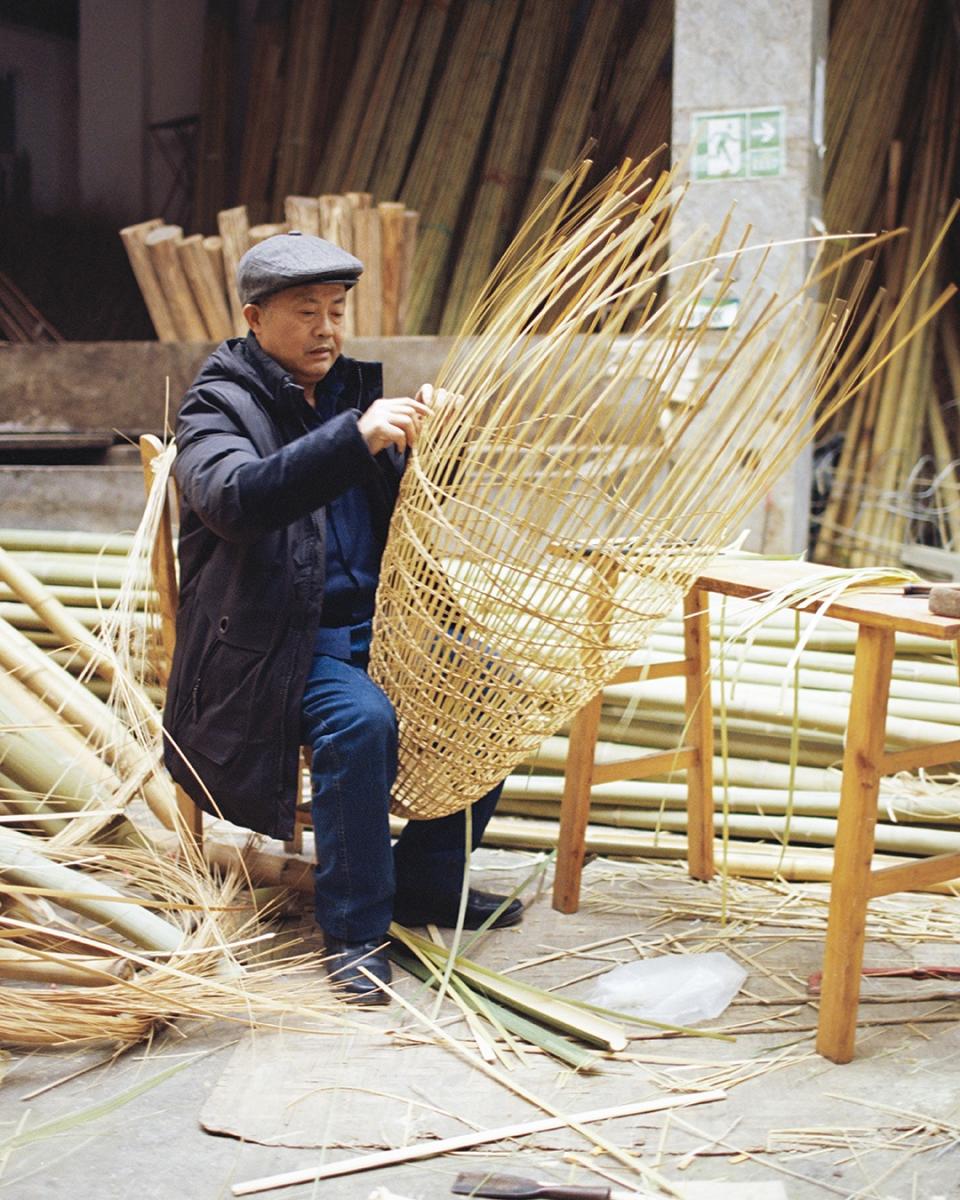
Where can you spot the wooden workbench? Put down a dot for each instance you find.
(879, 615)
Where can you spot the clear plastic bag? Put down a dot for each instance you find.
(678, 989)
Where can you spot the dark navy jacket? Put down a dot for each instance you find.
(253, 483)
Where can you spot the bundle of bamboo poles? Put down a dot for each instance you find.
(189, 283)
(779, 740)
(892, 159)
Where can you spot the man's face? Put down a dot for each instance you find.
(301, 328)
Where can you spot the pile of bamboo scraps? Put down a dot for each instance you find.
(110, 926)
(189, 283)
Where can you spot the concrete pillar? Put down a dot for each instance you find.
(748, 94)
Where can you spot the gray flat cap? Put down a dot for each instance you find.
(290, 260)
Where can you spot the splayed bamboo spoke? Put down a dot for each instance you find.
(549, 521)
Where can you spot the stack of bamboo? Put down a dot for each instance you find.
(779, 740)
(189, 283)
(892, 159)
(467, 109)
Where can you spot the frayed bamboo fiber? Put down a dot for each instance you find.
(503, 173)
(304, 88)
(330, 175)
(398, 140)
(234, 228)
(143, 269)
(462, 107)
(493, 674)
(264, 111)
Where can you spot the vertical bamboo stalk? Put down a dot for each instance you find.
(146, 277)
(260, 233)
(234, 230)
(263, 116)
(213, 249)
(309, 37)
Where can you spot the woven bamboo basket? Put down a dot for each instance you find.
(559, 505)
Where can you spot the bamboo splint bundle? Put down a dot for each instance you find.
(189, 283)
(556, 469)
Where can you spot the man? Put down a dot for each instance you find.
(289, 461)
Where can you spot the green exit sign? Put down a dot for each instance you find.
(743, 143)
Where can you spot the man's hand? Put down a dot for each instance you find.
(392, 422)
(443, 405)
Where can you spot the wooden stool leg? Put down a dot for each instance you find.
(191, 814)
(856, 822)
(699, 725)
(575, 806)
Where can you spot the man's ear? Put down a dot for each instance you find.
(253, 315)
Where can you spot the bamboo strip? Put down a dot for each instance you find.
(466, 1141)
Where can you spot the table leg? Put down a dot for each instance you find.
(856, 822)
(575, 806)
(699, 733)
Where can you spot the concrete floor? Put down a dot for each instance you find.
(220, 1105)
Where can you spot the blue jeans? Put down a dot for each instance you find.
(351, 728)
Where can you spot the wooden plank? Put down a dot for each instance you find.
(750, 579)
(699, 725)
(133, 240)
(920, 756)
(642, 766)
(856, 822)
(575, 806)
(912, 876)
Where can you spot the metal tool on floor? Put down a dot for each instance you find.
(515, 1187)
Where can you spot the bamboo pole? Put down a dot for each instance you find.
(310, 34)
(162, 245)
(335, 215)
(392, 227)
(260, 233)
(369, 289)
(302, 213)
(207, 286)
(133, 237)
(234, 229)
(264, 111)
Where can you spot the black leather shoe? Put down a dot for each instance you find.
(343, 960)
(443, 910)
